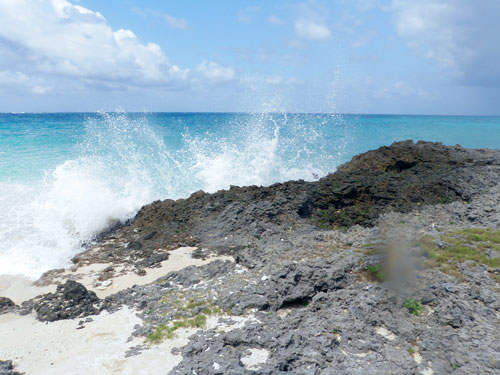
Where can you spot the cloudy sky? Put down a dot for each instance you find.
(351, 56)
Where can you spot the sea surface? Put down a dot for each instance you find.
(64, 177)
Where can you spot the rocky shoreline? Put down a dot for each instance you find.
(390, 265)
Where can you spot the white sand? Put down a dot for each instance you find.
(20, 289)
(59, 348)
(178, 259)
(99, 348)
(255, 359)
(382, 331)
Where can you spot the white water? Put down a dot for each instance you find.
(124, 164)
(257, 154)
(45, 224)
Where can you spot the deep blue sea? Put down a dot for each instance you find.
(65, 177)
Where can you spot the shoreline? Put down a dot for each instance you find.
(356, 272)
(97, 346)
(20, 289)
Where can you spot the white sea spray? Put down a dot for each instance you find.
(124, 162)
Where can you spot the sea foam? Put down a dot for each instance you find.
(124, 162)
(46, 223)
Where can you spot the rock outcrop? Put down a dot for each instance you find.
(71, 300)
(6, 305)
(7, 368)
(400, 178)
(387, 266)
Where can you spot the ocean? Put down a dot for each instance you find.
(65, 177)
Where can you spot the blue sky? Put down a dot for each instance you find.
(351, 56)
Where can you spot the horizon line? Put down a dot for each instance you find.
(242, 112)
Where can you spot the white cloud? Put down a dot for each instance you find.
(17, 81)
(176, 23)
(310, 29)
(40, 90)
(54, 38)
(173, 22)
(215, 72)
(401, 89)
(8, 78)
(273, 20)
(460, 36)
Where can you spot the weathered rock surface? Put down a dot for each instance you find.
(301, 278)
(6, 368)
(71, 300)
(399, 178)
(6, 305)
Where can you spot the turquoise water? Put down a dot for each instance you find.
(65, 177)
(32, 144)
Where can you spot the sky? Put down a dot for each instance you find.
(349, 56)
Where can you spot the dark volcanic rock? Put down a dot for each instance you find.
(292, 285)
(6, 305)
(71, 300)
(6, 368)
(362, 328)
(399, 178)
(402, 177)
(300, 292)
(300, 297)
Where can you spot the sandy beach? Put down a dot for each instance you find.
(20, 289)
(97, 346)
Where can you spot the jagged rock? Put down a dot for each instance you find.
(400, 178)
(293, 285)
(6, 305)
(7, 368)
(298, 287)
(71, 300)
